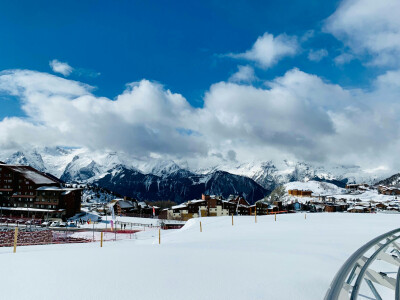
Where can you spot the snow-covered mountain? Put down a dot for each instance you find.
(158, 179)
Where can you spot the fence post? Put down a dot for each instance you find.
(159, 236)
(201, 230)
(15, 239)
(101, 239)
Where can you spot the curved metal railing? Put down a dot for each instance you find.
(369, 265)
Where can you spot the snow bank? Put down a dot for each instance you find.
(291, 258)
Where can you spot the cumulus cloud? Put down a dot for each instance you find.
(369, 28)
(143, 119)
(60, 67)
(297, 115)
(244, 74)
(317, 55)
(343, 58)
(268, 50)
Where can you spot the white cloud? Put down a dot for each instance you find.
(145, 117)
(244, 74)
(60, 67)
(369, 28)
(317, 55)
(268, 50)
(343, 58)
(297, 115)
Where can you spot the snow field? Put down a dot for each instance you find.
(291, 258)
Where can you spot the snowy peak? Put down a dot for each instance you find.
(164, 168)
(80, 169)
(33, 159)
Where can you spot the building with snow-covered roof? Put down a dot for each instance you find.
(27, 192)
(208, 206)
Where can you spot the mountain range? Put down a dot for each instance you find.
(158, 179)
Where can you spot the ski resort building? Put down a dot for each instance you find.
(208, 206)
(300, 193)
(358, 186)
(132, 208)
(28, 193)
(388, 190)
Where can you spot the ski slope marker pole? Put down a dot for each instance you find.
(101, 239)
(275, 217)
(255, 214)
(232, 219)
(15, 239)
(305, 216)
(159, 236)
(201, 230)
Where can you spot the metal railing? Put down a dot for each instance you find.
(370, 265)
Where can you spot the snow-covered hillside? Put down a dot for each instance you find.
(317, 187)
(291, 258)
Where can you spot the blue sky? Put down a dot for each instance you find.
(177, 43)
(206, 80)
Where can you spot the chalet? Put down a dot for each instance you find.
(381, 205)
(385, 190)
(331, 207)
(242, 206)
(208, 206)
(27, 192)
(359, 209)
(300, 193)
(357, 186)
(122, 207)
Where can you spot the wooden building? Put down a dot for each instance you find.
(26, 192)
(207, 206)
(388, 190)
(300, 193)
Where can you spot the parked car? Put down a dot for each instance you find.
(46, 223)
(71, 224)
(62, 224)
(55, 224)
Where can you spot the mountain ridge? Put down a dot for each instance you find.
(159, 179)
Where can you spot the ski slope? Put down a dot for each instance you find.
(292, 258)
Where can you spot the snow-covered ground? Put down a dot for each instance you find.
(328, 189)
(292, 258)
(318, 188)
(369, 195)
